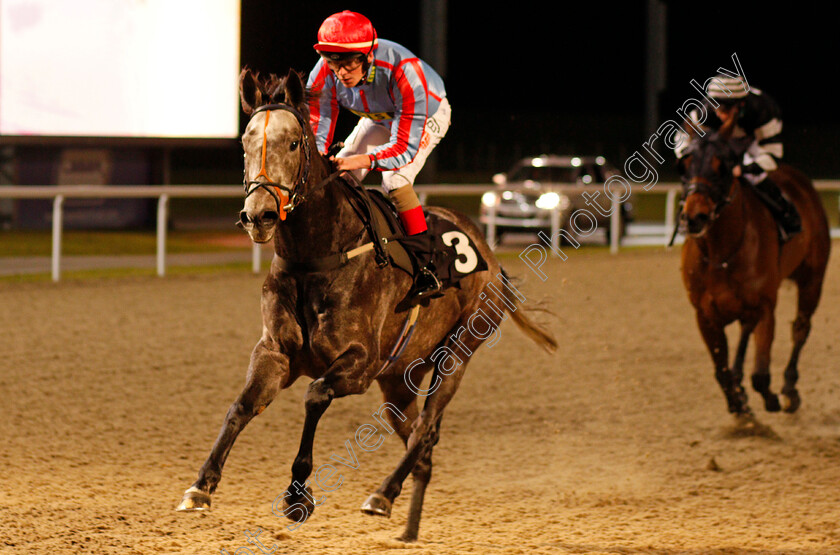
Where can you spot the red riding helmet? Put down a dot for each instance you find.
(346, 33)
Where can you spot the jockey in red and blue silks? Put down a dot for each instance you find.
(402, 108)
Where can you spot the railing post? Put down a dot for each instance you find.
(555, 230)
(162, 218)
(615, 225)
(491, 226)
(57, 225)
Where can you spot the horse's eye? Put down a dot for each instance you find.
(293, 146)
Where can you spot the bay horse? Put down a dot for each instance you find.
(733, 264)
(330, 308)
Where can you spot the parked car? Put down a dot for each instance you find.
(525, 199)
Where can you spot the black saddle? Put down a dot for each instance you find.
(445, 245)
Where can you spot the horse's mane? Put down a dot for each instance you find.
(267, 90)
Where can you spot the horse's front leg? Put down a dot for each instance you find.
(345, 377)
(715, 339)
(268, 372)
(298, 500)
(761, 374)
(747, 328)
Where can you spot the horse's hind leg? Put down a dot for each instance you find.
(397, 393)
(764, 331)
(809, 291)
(266, 376)
(422, 474)
(424, 435)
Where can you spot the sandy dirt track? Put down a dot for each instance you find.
(114, 390)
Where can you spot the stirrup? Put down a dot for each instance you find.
(429, 289)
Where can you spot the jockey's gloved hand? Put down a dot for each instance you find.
(334, 149)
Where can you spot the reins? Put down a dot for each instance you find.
(359, 200)
(725, 264)
(704, 188)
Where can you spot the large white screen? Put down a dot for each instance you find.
(119, 68)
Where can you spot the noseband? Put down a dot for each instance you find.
(704, 187)
(277, 190)
(708, 187)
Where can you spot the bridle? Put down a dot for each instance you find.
(705, 187)
(708, 187)
(286, 198)
(294, 197)
(363, 208)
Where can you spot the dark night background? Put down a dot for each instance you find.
(528, 77)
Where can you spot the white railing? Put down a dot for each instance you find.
(165, 192)
(162, 193)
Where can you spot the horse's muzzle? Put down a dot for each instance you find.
(260, 226)
(697, 224)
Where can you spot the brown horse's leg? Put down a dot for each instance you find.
(763, 343)
(740, 354)
(715, 340)
(808, 296)
(267, 374)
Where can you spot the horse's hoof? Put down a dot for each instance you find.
(377, 505)
(407, 538)
(290, 501)
(194, 500)
(790, 402)
(771, 403)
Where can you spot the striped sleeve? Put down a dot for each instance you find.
(411, 97)
(323, 105)
(763, 120)
(769, 137)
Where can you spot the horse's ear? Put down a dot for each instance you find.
(295, 91)
(250, 95)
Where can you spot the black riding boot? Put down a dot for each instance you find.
(427, 285)
(783, 210)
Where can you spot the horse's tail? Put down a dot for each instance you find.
(537, 334)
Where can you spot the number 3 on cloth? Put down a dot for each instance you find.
(462, 248)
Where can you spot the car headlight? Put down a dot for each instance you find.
(488, 199)
(550, 201)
